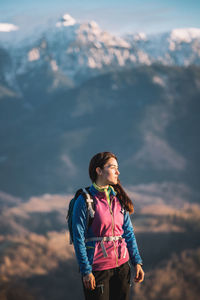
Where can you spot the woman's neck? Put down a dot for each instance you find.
(101, 185)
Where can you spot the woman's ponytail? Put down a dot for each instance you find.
(123, 197)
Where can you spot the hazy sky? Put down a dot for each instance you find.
(116, 16)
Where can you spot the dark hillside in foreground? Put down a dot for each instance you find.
(38, 263)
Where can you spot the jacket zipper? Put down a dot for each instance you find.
(111, 212)
(113, 235)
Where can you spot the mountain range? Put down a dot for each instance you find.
(57, 109)
(76, 51)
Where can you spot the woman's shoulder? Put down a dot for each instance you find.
(80, 202)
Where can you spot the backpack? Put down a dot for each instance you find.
(90, 209)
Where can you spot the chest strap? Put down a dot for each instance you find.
(104, 239)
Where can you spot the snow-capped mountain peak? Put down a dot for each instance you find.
(65, 21)
(185, 35)
(140, 36)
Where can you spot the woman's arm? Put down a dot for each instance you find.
(131, 241)
(79, 227)
(133, 248)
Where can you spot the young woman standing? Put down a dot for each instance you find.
(103, 249)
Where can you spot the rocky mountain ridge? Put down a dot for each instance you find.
(75, 52)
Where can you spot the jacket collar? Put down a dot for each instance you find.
(95, 189)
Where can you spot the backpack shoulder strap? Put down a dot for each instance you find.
(89, 202)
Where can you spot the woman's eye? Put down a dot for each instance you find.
(114, 168)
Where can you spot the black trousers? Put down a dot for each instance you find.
(112, 284)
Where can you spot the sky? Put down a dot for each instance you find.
(116, 16)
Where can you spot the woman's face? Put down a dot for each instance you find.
(109, 174)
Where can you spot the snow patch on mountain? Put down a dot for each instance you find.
(34, 54)
(159, 80)
(91, 33)
(143, 58)
(54, 65)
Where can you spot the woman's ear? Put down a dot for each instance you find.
(99, 171)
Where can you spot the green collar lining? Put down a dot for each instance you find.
(109, 189)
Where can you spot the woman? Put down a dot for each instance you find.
(104, 249)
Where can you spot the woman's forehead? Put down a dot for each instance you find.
(112, 161)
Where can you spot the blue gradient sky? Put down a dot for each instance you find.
(116, 16)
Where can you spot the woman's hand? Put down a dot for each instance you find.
(89, 281)
(139, 273)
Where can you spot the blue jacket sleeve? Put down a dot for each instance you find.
(131, 240)
(79, 226)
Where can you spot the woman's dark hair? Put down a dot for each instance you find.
(99, 160)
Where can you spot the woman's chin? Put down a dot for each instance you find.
(114, 182)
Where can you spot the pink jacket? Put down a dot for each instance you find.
(110, 223)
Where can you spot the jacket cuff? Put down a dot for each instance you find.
(138, 263)
(86, 273)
